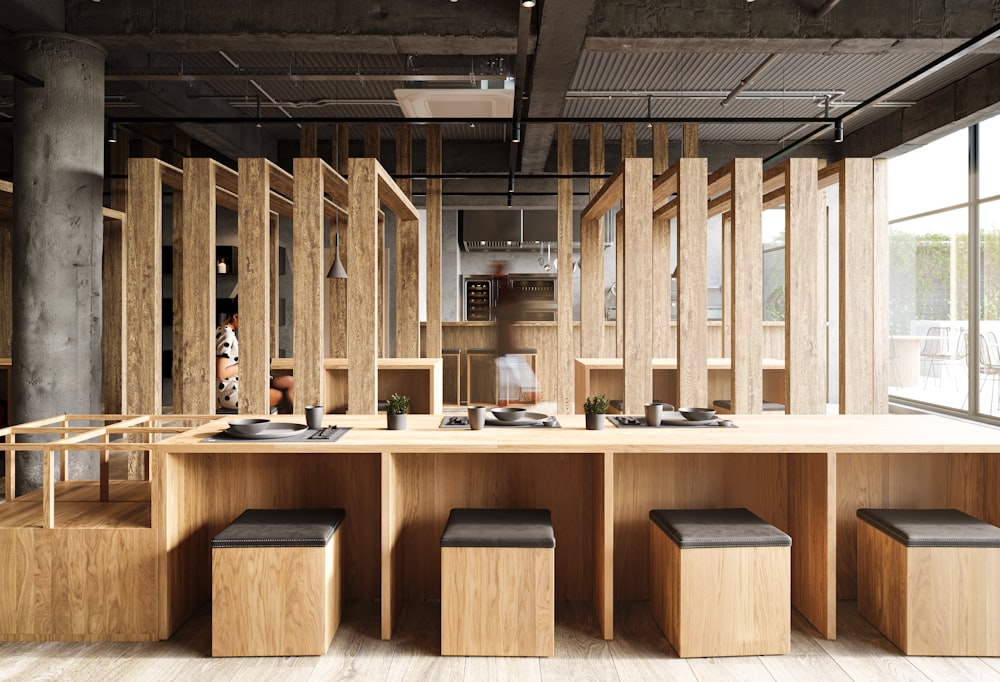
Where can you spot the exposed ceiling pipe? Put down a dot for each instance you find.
(770, 59)
(821, 11)
(255, 84)
(520, 75)
(269, 74)
(583, 120)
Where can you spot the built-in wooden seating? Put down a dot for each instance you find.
(720, 582)
(276, 583)
(498, 583)
(929, 580)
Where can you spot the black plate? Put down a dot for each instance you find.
(273, 431)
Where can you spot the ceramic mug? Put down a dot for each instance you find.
(477, 417)
(314, 416)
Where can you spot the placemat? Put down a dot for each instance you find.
(328, 434)
(462, 422)
(625, 421)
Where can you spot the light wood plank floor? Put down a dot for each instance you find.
(639, 652)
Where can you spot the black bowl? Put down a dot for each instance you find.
(508, 414)
(248, 427)
(697, 414)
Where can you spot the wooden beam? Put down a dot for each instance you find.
(663, 341)
(373, 142)
(432, 334)
(307, 285)
(565, 355)
(775, 198)
(194, 309)
(404, 159)
(393, 197)
(805, 291)
(727, 284)
(880, 286)
(281, 181)
(592, 257)
(831, 174)
(636, 282)
(857, 285)
(114, 282)
(690, 140)
(341, 147)
(747, 340)
(721, 180)
(112, 214)
(661, 148)
(335, 185)
(363, 289)
(692, 304)
(607, 197)
(307, 146)
(407, 257)
(144, 294)
(668, 211)
(664, 186)
(274, 270)
(281, 205)
(172, 176)
(774, 178)
(620, 288)
(254, 246)
(629, 148)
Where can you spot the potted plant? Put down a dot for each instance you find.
(396, 408)
(595, 408)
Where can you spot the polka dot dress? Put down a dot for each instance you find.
(227, 391)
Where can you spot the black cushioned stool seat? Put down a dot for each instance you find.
(718, 528)
(276, 583)
(497, 583)
(720, 582)
(925, 580)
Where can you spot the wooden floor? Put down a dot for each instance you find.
(639, 652)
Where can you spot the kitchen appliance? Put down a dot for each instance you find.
(537, 293)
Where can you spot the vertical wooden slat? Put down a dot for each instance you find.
(690, 146)
(7, 294)
(308, 142)
(363, 290)
(373, 150)
(181, 151)
(692, 292)
(274, 290)
(637, 282)
(805, 300)
(663, 342)
(194, 312)
(856, 287)
(727, 284)
(432, 238)
(620, 281)
(592, 260)
(880, 287)
(254, 246)
(564, 288)
(113, 284)
(307, 285)
(747, 322)
(629, 146)
(407, 257)
(144, 294)
(336, 310)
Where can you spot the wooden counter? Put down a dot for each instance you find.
(597, 376)
(805, 474)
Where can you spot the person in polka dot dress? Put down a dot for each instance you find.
(227, 359)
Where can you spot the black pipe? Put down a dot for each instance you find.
(242, 120)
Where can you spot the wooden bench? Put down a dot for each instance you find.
(929, 580)
(498, 583)
(276, 583)
(720, 582)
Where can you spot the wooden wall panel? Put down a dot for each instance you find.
(880, 287)
(307, 291)
(637, 281)
(112, 284)
(407, 258)
(363, 289)
(144, 295)
(663, 341)
(566, 350)
(194, 312)
(857, 285)
(254, 246)
(592, 260)
(805, 293)
(747, 332)
(432, 238)
(692, 295)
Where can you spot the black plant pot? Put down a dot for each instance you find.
(595, 422)
(396, 422)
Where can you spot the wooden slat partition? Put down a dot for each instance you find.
(254, 243)
(113, 282)
(663, 341)
(336, 310)
(181, 151)
(592, 258)
(432, 239)
(690, 140)
(664, 187)
(274, 270)
(307, 292)
(565, 353)
(194, 312)
(635, 282)
(727, 285)
(746, 376)
(629, 150)
(692, 303)
(857, 285)
(363, 289)
(373, 150)
(307, 141)
(805, 291)
(880, 286)
(144, 295)
(407, 257)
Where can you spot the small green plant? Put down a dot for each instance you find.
(397, 404)
(597, 404)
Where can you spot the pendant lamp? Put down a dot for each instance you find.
(337, 268)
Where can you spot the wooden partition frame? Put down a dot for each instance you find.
(592, 257)
(564, 288)
(370, 185)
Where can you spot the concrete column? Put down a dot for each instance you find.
(58, 184)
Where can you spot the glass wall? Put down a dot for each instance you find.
(943, 197)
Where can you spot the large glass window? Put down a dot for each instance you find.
(989, 158)
(989, 319)
(931, 177)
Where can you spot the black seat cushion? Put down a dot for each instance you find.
(932, 527)
(280, 528)
(702, 528)
(499, 528)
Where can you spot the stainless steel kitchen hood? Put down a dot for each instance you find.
(505, 229)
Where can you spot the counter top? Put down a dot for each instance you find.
(671, 363)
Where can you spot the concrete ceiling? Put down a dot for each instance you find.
(217, 69)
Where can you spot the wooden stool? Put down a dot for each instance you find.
(276, 583)
(720, 582)
(497, 583)
(929, 580)
(447, 371)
